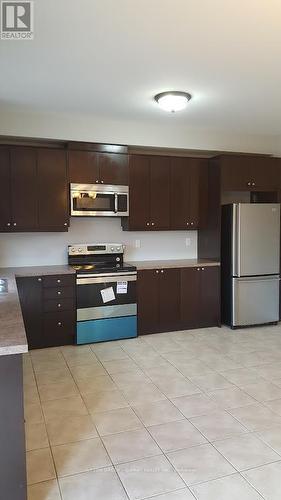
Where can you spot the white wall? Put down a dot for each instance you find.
(31, 249)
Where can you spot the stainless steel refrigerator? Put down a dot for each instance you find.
(250, 263)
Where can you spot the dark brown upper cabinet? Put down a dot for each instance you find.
(185, 176)
(35, 189)
(248, 173)
(88, 167)
(149, 183)
(52, 189)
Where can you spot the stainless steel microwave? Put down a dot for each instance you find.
(91, 200)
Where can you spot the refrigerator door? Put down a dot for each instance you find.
(255, 300)
(255, 239)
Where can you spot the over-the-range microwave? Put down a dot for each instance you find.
(92, 200)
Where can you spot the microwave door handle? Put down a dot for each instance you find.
(115, 203)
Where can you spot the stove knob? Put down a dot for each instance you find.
(79, 249)
(118, 249)
(112, 249)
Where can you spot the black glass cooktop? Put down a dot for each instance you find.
(103, 267)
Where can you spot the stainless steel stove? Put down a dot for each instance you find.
(106, 292)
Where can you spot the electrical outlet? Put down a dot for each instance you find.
(137, 243)
(187, 242)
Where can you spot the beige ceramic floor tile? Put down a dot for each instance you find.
(104, 401)
(263, 391)
(218, 425)
(146, 393)
(200, 463)
(65, 407)
(31, 395)
(84, 372)
(119, 366)
(211, 382)
(256, 417)
(177, 387)
(196, 405)
(158, 412)
(244, 452)
(111, 422)
(96, 384)
(39, 465)
(175, 495)
(241, 376)
(57, 391)
(48, 490)
(93, 485)
(36, 436)
(228, 488)
(33, 413)
(231, 398)
(148, 477)
(266, 480)
(176, 435)
(53, 376)
(272, 437)
(62, 430)
(130, 445)
(73, 458)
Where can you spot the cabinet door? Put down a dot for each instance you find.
(83, 167)
(148, 301)
(209, 296)
(24, 188)
(59, 328)
(160, 192)
(30, 294)
(139, 192)
(265, 174)
(194, 166)
(190, 297)
(52, 189)
(169, 300)
(113, 169)
(180, 194)
(5, 183)
(236, 173)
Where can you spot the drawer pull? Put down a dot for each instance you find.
(59, 323)
(58, 281)
(59, 305)
(59, 292)
(39, 279)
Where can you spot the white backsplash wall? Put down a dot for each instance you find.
(33, 249)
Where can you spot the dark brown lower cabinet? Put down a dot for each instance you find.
(49, 310)
(12, 438)
(176, 299)
(200, 297)
(158, 300)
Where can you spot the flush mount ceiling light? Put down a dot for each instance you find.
(172, 101)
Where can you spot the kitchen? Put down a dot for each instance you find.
(139, 301)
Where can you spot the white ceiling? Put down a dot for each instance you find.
(109, 57)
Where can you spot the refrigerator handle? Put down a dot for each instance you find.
(236, 251)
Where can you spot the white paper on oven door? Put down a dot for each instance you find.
(107, 294)
(122, 287)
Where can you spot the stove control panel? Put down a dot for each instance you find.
(95, 248)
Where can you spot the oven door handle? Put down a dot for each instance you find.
(108, 279)
(115, 203)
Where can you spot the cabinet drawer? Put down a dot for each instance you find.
(59, 305)
(66, 292)
(59, 328)
(59, 280)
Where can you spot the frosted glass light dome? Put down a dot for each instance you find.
(172, 101)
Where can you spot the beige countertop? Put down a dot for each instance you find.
(176, 263)
(12, 332)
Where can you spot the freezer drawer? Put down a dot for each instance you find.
(255, 300)
(256, 239)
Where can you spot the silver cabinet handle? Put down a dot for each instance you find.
(97, 181)
(9, 224)
(58, 281)
(152, 223)
(249, 183)
(162, 271)
(59, 323)
(198, 268)
(59, 292)
(147, 223)
(65, 224)
(253, 183)
(59, 305)
(187, 223)
(15, 224)
(192, 223)
(39, 279)
(157, 271)
(203, 268)
(101, 182)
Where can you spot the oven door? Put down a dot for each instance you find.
(92, 200)
(107, 296)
